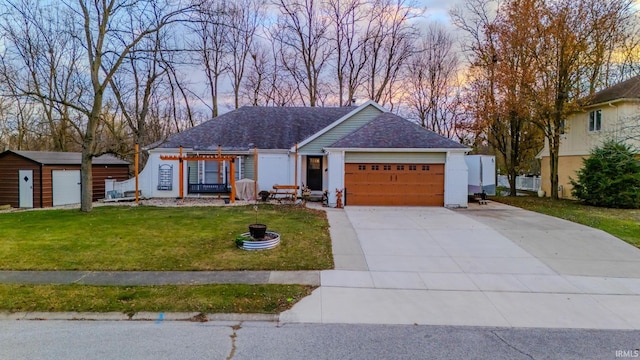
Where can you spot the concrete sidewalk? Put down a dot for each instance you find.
(484, 266)
(134, 278)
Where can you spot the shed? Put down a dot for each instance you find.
(41, 179)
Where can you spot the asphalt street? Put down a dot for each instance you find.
(270, 340)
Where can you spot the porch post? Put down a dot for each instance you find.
(233, 180)
(136, 161)
(181, 174)
(255, 173)
(295, 175)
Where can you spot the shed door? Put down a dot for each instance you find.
(65, 186)
(394, 184)
(25, 177)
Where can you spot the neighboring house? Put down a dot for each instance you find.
(613, 113)
(377, 158)
(43, 179)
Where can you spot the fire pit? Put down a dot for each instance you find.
(246, 242)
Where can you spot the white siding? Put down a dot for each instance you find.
(455, 181)
(148, 177)
(335, 177)
(274, 169)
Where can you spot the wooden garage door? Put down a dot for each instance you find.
(394, 184)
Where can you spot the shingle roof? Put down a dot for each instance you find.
(66, 158)
(392, 131)
(629, 89)
(264, 127)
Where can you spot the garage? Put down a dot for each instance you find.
(65, 185)
(394, 184)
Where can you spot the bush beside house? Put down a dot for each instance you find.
(610, 177)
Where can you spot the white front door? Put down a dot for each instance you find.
(65, 187)
(25, 177)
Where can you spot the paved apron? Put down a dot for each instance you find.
(491, 265)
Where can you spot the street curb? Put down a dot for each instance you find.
(141, 316)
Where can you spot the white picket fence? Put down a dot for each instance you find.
(530, 183)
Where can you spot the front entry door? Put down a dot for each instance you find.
(314, 172)
(25, 177)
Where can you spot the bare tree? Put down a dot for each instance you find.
(43, 46)
(245, 17)
(390, 39)
(304, 48)
(611, 29)
(210, 28)
(432, 82)
(346, 19)
(257, 74)
(628, 64)
(136, 85)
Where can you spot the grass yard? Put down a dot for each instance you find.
(117, 238)
(206, 299)
(621, 223)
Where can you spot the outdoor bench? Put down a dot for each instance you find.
(288, 191)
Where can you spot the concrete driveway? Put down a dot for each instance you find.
(492, 265)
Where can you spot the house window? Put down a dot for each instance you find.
(387, 167)
(412, 167)
(362, 167)
(425, 167)
(375, 167)
(314, 163)
(400, 167)
(595, 120)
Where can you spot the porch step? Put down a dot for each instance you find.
(316, 195)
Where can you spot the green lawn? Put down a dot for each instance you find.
(267, 299)
(117, 238)
(622, 223)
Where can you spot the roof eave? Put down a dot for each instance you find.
(398, 150)
(610, 102)
(20, 155)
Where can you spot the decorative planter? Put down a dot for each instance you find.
(257, 231)
(272, 240)
(540, 193)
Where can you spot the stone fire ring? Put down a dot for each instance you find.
(260, 244)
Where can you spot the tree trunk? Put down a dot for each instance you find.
(553, 163)
(512, 182)
(86, 173)
(86, 179)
